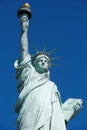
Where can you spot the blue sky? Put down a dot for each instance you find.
(58, 24)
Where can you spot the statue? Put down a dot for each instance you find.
(39, 105)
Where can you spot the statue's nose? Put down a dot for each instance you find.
(43, 62)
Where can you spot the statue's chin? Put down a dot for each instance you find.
(42, 71)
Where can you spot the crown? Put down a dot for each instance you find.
(43, 53)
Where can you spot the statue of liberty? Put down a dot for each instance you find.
(39, 104)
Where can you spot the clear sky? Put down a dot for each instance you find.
(58, 24)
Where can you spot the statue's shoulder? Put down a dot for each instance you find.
(54, 86)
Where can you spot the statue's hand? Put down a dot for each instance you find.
(24, 22)
(77, 108)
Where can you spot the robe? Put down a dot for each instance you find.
(38, 105)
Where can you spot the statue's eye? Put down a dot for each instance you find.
(40, 60)
(45, 60)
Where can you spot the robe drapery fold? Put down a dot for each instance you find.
(38, 105)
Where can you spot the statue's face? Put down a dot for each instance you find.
(24, 22)
(41, 64)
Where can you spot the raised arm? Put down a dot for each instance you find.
(24, 14)
(24, 21)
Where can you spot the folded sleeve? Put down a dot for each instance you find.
(23, 72)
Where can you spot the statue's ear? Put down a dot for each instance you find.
(34, 63)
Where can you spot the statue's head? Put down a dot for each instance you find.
(41, 62)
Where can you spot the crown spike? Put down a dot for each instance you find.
(52, 51)
(54, 58)
(36, 49)
(55, 65)
(44, 49)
